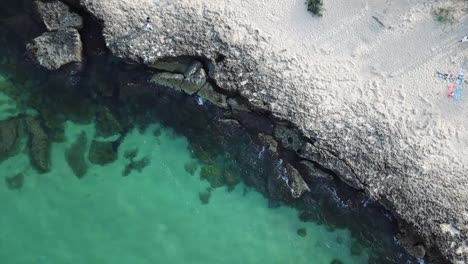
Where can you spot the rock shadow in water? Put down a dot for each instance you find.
(15, 182)
(9, 138)
(39, 145)
(302, 232)
(191, 167)
(103, 152)
(133, 164)
(205, 196)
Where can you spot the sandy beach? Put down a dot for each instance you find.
(390, 67)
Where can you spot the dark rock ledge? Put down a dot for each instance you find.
(198, 55)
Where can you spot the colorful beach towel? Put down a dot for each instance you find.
(451, 90)
(458, 94)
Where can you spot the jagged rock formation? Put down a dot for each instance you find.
(62, 44)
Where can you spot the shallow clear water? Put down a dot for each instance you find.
(154, 216)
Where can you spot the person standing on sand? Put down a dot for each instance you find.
(149, 24)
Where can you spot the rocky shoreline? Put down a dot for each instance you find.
(271, 95)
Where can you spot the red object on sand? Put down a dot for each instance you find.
(451, 90)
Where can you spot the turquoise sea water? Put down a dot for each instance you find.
(152, 205)
(152, 216)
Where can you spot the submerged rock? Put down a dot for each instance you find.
(54, 123)
(220, 175)
(39, 145)
(80, 110)
(213, 175)
(205, 196)
(56, 15)
(54, 49)
(75, 156)
(15, 182)
(106, 124)
(302, 232)
(131, 154)
(137, 165)
(9, 137)
(157, 132)
(231, 179)
(103, 152)
(191, 166)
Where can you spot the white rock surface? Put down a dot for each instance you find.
(54, 49)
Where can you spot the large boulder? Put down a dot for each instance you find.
(190, 84)
(296, 183)
(287, 184)
(54, 49)
(39, 145)
(56, 15)
(209, 93)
